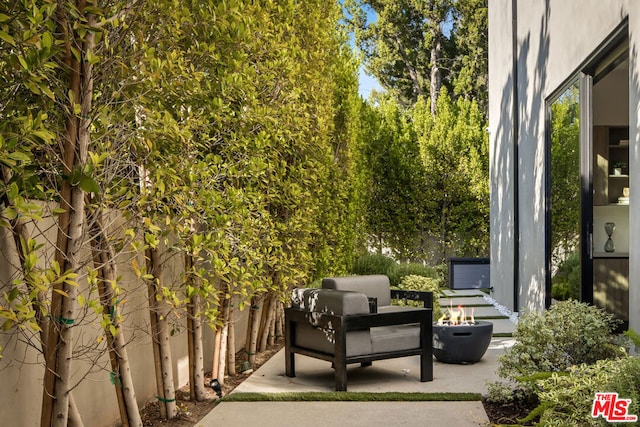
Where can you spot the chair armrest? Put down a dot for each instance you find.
(356, 322)
(424, 296)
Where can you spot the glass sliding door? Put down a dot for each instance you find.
(564, 196)
(587, 184)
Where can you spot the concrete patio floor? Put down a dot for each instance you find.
(393, 375)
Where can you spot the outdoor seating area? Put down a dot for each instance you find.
(351, 320)
(384, 376)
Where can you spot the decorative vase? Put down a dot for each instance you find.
(609, 228)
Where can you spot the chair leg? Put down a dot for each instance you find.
(341, 376)
(290, 363)
(366, 364)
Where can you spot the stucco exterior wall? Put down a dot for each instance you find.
(501, 152)
(554, 37)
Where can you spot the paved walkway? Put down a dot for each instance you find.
(399, 375)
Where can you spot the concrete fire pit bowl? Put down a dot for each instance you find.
(463, 344)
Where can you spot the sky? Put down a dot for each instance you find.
(367, 83)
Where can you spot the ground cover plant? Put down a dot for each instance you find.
(560, 359)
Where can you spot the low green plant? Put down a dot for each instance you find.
(567, 334)
(426, 284)
(626, 382)
(566, 282)
(634, 337)
(400, 271)
(382, 264)
(374, 264)
(504, 393)
(567, 399)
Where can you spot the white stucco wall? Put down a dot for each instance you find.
(501, 152)
(554, 37)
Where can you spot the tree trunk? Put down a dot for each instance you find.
(267, 332)
(223, 347)
(160, 339)
(276, 314)
(194, 334)
(436, 78)
(231, 339)
(254, 328)
(104, 263)
(222, 363)
(59, 348)
(280, 321)
(215, 369)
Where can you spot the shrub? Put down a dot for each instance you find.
(374, 264)
(420, 283)
(400, 271)
(569, 333)
(566, 282)
(381, 264)
(567, 399)
(626, 383)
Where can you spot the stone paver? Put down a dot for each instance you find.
(462, 292)
(464, 301)
(366, 414)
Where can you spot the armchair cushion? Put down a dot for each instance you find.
(373, 286)
(395, 337)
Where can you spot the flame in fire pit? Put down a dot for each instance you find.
(455, 317)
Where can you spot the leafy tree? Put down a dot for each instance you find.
(396, 202)
(455, 155)
(469, 35)
(403, 47)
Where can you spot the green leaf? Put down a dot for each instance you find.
(6, 37)
(89, 185)
(19, 156)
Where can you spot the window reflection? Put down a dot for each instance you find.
(565, 195)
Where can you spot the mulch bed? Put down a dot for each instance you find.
(510, 414)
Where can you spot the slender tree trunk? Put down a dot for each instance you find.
(231, 339)
(194, 335)
(75, 420)
(436, 79)
(270, 307)
(254, 328)
(160, 338)
(223, 347)
(222, 364)
(59, 348)
(215, 369)
(279, 332)
(104, 263)
(272, 331)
